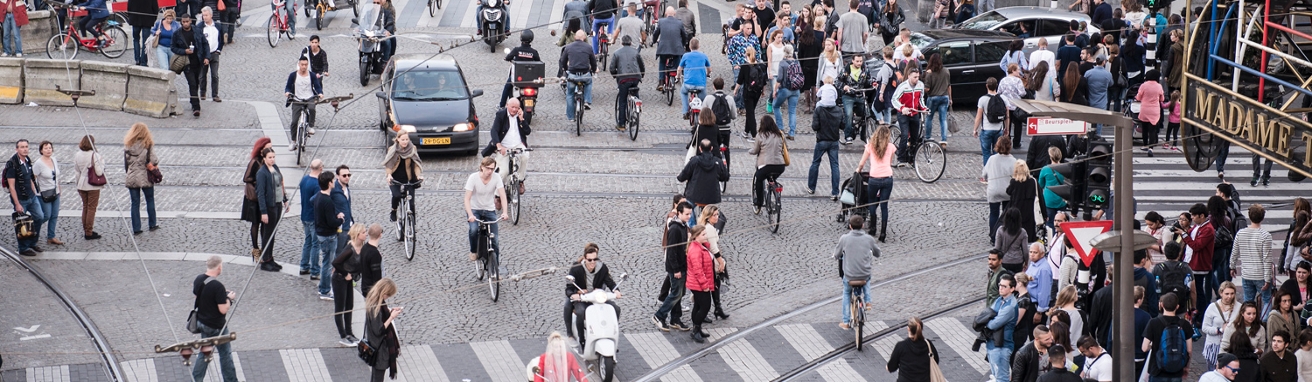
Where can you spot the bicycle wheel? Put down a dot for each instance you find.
(116, 41)
(318, 17)
(858, 322)
(355, 8)
(274, 30)
(634, 116)
(438, 3)
(895, 135)
(512, 206)
(61, 47)
(432, 8)
(300, 141)
(494, 275)
(669, 93)
(930, 161)
(400, 221)
(774, 205)
(409, 234)
(578, 115)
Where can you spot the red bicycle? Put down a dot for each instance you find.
(64, 46)
(281, 22)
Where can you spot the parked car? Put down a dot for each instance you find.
(970, 56)
(429, 100)
(1040, 22)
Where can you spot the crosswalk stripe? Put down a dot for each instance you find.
(1211, 186)
(213, 374)
(140, 370)
(48, 374)
(499, 359)
(805, 339)
(656, 350)
(839, 371)
(303, 365)
(468, 20)
(958, 338)
(718, 333)
(1186, 173)
(743, 358)
(519, 12)
(420, 364)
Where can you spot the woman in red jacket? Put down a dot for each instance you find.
(701, 280)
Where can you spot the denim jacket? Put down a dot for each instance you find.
(1005, 320)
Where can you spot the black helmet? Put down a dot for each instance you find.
(526, 36)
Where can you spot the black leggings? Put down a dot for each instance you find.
(580, 309)
(343, 304)
(1172, 132)
(396, 196)
(750, 99)
(266, 232)
(88, 24)
(377, 375)
(255, 234)
(701, 305)
(770, 171)
(715, 294)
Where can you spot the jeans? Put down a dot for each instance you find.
(484, 215)
(847, 299)
(995, 210)
(51, 212)
(32, 205)
(1050, 215)
(1221, 156)
(1203, 287)
(849, 103)
(738, 95)
(211, 70)
(586, 79)
(1264, 171)
(13, 42)
(1251, 289)
(790, 96)
(672, 308)
(988, 138)
(622, 101)
(938, 107)
(134, 194)
(911, 138)
(266, 233)
(985, 6)
(683, 93)
(139, 36)
(163, 56)
(610, 28)
(824, 148)
(327, 250)
(1000, 362)
(343, 304)
(223, 353)
(310, 249)
(877, 192)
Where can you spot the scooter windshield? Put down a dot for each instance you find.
(369, 15)
(491, 3)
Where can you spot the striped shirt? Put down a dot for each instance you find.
(1252, 254)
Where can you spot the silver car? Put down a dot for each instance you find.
(1037, 23)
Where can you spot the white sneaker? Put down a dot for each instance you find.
(310, 131)
(19, 54)
(4, 54)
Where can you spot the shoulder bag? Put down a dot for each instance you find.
(192, 325)
(93, 178)
(179, 63)
(155, 176)
(935, 374)
(787, 159)
(367, 353)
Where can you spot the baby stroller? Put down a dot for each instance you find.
(852, 196)
(1131, 110)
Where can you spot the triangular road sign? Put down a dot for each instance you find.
(1081, 233)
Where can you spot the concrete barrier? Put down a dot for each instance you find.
(41, 25)
(109, 81)
(150, 92)
(40, 77)
(11, 81)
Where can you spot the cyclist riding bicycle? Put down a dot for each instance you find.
(522, 53)
(669, 48)
(590, 274)
(574, 17)
(693, 67)
(481, 190)
(97, 12)
(629, 70)
(854, 77)
(603, 12)
(578, 62)
(908, 102)
(509, 131)
(304, 87)
(403, 168)
(857, 251)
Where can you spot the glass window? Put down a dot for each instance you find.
(1053, 27)
(986, 52)
(429, 86)
(985, 21)
(953, 52)
(1015, 28)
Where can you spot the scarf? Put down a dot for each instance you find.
(395, 154)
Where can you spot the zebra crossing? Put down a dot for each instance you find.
(762, 355)
(1166, 184)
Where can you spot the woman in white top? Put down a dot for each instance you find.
(1250, 324)
(46, 171)
(831, 62)
(87, 158)
(1156, 226)
(774, 53)
(1044, 82)
(1219, 316)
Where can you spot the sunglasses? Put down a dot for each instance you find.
(590, 260)
(346, 175)
(1233, 369)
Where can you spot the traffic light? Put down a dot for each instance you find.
(1097, 191)
(1156, 5)
(1073, 189)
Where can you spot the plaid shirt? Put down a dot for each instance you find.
(738, 49)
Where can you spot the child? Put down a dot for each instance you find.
(1172, 121)
(1304, 354)
(828, 94)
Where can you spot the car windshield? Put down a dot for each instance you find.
(429, 86)
(920, 41)
(985, 21)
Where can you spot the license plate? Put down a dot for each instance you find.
(436, 141)
(528, 103)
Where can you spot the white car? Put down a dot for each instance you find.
(1038, 23)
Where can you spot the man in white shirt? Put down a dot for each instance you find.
(1043, 55)
(509, 132)
(480, 189)
(1097, 363)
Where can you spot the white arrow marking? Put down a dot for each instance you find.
(27, 330)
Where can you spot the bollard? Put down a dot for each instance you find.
(108, 80)
(40, 76)
(11, 81)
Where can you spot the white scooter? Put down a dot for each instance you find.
(603, 333)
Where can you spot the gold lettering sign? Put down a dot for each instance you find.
(1249, 124)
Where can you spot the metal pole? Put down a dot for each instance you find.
(1123, 295)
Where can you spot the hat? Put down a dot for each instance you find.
(1225, 359)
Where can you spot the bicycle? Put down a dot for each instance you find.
(279, 23)
(928, 158)
(513, 184)
(634, 112)
(603, 43)
(650, 18)
(489, 258)
(322, 7)
(670, 81)
(579, 105)
(857, 307)
(862, 126)
(64, 46)
(773, 202)
(433, 6)
(694, 108)
(405, 217)
(303, 132)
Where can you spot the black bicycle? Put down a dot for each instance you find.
(579, 105)
(303, 132)
(405, 217)
(513, 184)
(634, 112)
(773, 202)
(489, 258)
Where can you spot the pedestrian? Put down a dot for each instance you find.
(86, 162)
(829, 63)
(671, 216)
(1057, 363)
(1025, 365)
(21, 184)
(318, 57)
(995, 273)
(1027, 314)
(1009, 240)
(190, 41)
(327, 224)
(1012, 88)
(938, 94)
(770, 151)
(213, 302)
(752, 77)
(1066, 303)
(13, 16)
(272, 203)
(250, 210)
(46, 171)
(1097, 362)
(701, 279)
(346, 270)
(1279, 365)
(703, 174)
(1156, 225)
(1024, 193)
(856, 256)
(371, 260)
(986, 129)
(163, 32)
(557, 364)
(810, 42)
(1252, 259)
(140, 163)
(1015, 55)
(1304, 354)
(1220, 314)
(1199, 237)
(1150, 109)
(214, 34)
(912, 357)
(676, 263)
(827, 121)
(342, 200)
(710, 218)
(1225, 369)
(999, 354)
(1297, 288)
(379, 332)
(890, 22)
(788, 82)
(141, 16)
(879, 151)
(1049, 177)
(1249, 324)
(403, 166)
(1156, 333)
(997, 175)
(852, 31)
(1040, 277)
(308, 190)
(1282, 318)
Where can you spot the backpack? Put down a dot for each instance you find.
(720, 107)
(758, 79)
(4, 176)
(1170, 353)
(996, 110)
(890, 84)
(793, 77)
(1173, 279)
(1225, 239)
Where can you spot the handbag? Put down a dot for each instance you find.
(787, 160)
(935, 374)
(192, 325)
(23, 225)
(222, 6)
(155, 176)
(93, 178)
(366, 353)
(49, 196)
(179, 63)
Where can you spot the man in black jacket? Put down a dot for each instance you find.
(1057, 371)
(318, 57)
(522, 53)
(590, 274)
(676, 263)
(509, 131)
(827, 122)
(1025, 365)
(703, 174)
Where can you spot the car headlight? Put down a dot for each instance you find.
(408, 128)
(463, 127)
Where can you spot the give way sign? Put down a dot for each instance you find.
(1081, 233)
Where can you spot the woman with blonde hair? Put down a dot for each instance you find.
(557, 364)
(710, 218)
(1066, 303)
(747, 72)
(87, 158)
(1023, 192)
(379, 332)
(140, 162)
(346, 270)
(831, 62)
(1220, 314)
(879, 152)
(911, 357)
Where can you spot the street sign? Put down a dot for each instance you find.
(1056, 126)
(1082, 234)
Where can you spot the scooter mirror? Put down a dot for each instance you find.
(624, 275)
(506, 50)
(569, 278)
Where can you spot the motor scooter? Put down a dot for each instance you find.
(490, 22)
(603, 333)
(369, 36)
